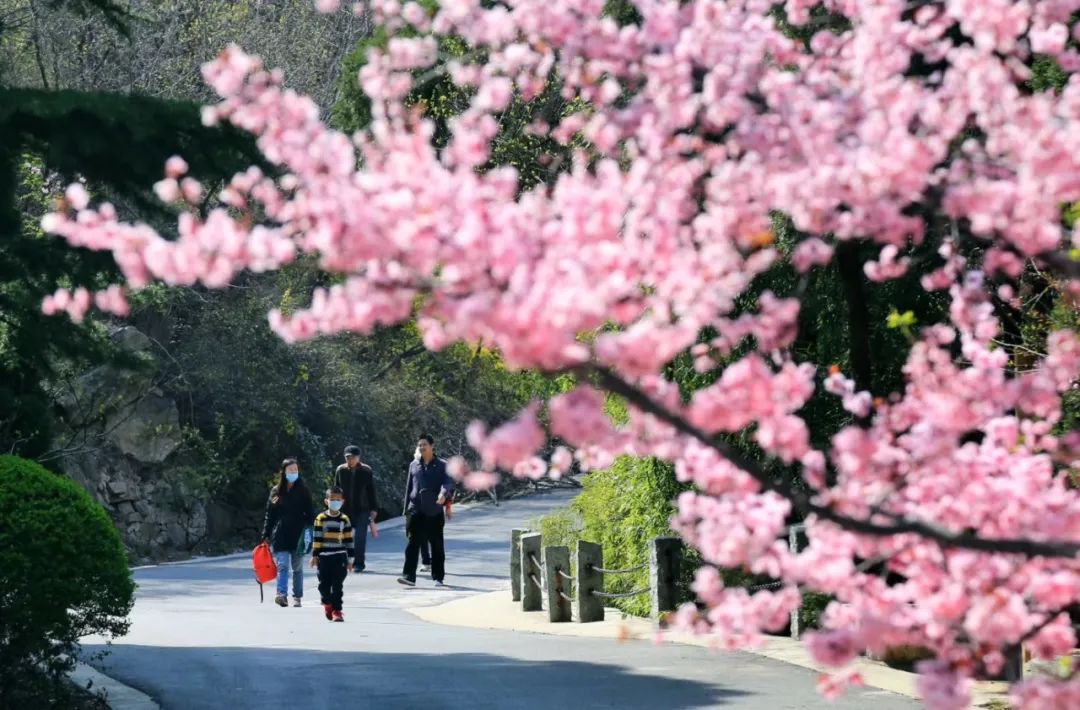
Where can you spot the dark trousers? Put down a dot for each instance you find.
(360, 522)
(332, 573)
(425, 553)
(421, 530)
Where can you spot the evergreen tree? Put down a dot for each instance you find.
(117, 144)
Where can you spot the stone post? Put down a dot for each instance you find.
(590, 557)
(531, 599)
(665, 559)
(1014, 664)
(515, 563)
(793, 545)
(556, 560)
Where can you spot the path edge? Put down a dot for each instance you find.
(118, 696)
(496, 611)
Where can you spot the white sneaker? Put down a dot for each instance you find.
(440, 583)
(425, 568)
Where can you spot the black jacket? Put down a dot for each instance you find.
(287, 515)
(359, 487)
(426, 482)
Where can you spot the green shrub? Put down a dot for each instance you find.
(813, 604)
(623, 508)
(905, 657)
(63, 575)
(561, 526)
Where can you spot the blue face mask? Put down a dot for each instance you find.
(335, 504)
(291, 477)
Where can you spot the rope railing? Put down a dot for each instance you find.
(550, 578)
(620, 595)
(629, 570)
(549, 573)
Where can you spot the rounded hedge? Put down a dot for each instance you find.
(63, 575)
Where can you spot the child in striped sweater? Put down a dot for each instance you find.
(332, 552)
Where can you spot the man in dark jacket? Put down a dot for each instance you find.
(428, 489)
(357, 480)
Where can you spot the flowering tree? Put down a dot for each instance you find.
(689, 125)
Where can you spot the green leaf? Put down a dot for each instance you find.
(902, 321)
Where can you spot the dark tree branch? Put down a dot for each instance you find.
(1061, 264)
(396, 362)
(802, 502)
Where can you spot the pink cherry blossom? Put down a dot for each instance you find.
(1040, 693)
(510, 444)
(811, 253)
(77, 197)
(833, 685)
(704, 123)
(833, 648)
(175, 167)
(941, 687)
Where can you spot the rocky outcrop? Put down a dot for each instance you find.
(120, 443)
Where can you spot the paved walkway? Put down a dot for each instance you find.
(201, 639)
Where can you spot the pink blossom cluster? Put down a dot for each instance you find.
(703, 120)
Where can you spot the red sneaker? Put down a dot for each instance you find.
(338, 616)
(329, 611)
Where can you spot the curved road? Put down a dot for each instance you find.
(201, 639)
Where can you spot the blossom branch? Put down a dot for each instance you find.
(803, 502)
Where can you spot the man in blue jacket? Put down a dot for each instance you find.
(428, 489)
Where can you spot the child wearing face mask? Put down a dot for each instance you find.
(332, 552)
(288, 512)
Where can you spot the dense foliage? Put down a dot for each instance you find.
(65, 123)
(63, 575)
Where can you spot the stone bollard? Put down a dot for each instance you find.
(665, 559)
(556, 560)
(531, 598)
(515, 563)
(590, 558)
(793, 545)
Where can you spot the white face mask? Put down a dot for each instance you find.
(416, 455)
(335, 504)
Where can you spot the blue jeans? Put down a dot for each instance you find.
(283, 560)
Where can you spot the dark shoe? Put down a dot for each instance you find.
(357, 570)
(281, 600)
(338, 616)
(329, 611)
(406, 581)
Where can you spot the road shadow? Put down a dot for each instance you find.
(422, 587)
(238, 678)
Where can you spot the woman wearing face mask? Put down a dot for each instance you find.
(288, 512)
